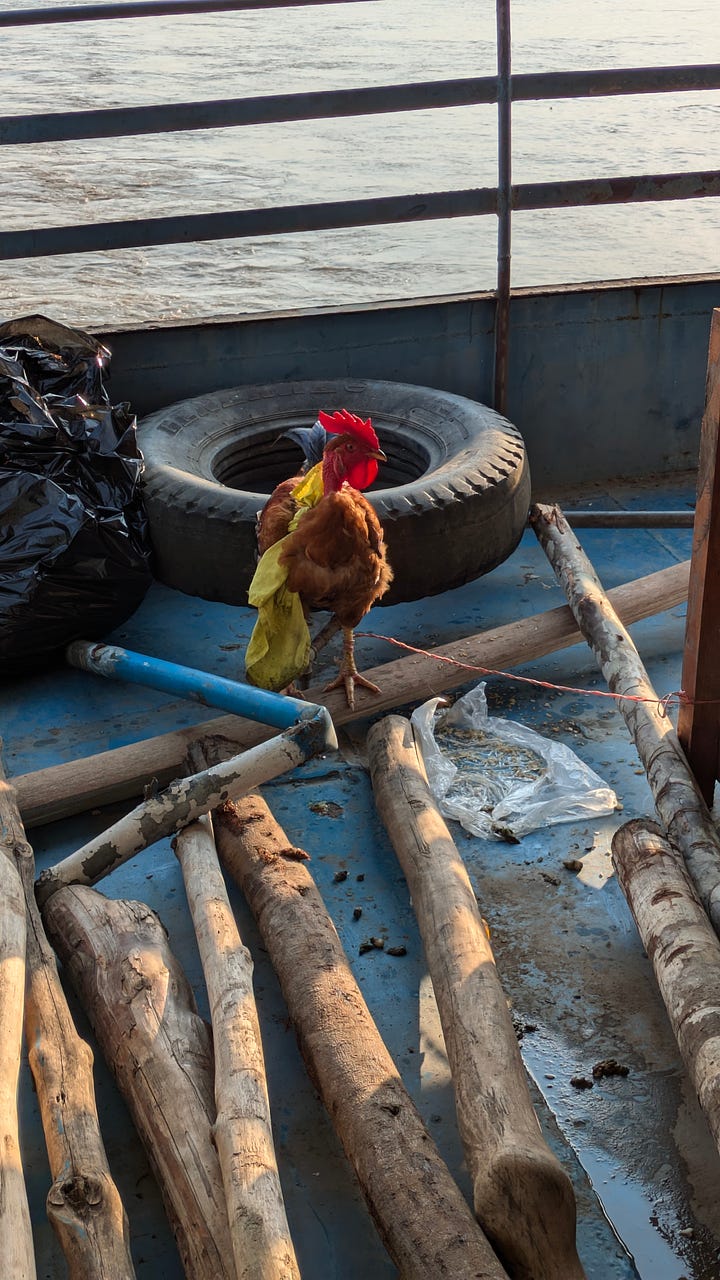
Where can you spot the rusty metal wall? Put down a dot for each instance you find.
(605, 380)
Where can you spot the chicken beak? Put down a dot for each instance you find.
(378, 453)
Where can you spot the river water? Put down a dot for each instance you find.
(137, 61)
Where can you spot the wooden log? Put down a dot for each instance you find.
(682, 947)
(143, 1013)
(683, 811)
(16, 1244)
(83, 1203)
(523, 1199)
(699, 718)
(181, 803)
(124, 772)
(421, 1215)
(261, 1239)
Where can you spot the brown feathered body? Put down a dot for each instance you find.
(275, 517)
(336, 558)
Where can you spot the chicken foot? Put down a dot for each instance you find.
(348, 676)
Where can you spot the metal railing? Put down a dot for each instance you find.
(503, 89)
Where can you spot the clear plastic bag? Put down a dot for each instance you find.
(498, 778)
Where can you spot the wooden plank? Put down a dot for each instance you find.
(64, 789)
(699, 720)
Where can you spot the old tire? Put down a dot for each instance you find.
(453, 496)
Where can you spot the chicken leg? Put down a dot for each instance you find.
(348, 676)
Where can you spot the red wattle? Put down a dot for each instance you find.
(362, 473)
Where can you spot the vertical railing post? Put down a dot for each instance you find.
(504, 199)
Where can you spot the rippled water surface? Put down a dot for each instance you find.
(52, 68)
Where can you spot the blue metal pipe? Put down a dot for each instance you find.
(198, 686)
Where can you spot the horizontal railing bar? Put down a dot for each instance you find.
(375, 211)
(342, 214)
(223, 113)
(607, 82)
(146, 9)
(579, 193)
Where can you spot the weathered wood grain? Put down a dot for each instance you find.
(523, 1199)
(425, 1223)
(143, 1013)
(243, 1136)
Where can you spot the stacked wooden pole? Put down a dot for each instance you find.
(16, 1248)
(523, 1198)
(421, 1215)
(186, 799)
(159, 1049)
(199, 1104)
(657, 868)
(124, 772)
(148, 1003)
(679, 802)
(682, 947)
(83, 1203)
(261, 1241)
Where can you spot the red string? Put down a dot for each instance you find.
(670, 699)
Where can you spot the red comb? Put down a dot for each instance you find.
(347, 423)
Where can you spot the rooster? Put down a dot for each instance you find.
(321, 547)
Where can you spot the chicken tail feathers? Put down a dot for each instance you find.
(312, 441)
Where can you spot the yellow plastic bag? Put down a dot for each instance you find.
(308, 492)
(279, 648)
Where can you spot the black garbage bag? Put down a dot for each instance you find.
(74, 545)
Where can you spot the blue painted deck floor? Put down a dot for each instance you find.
(568, 953)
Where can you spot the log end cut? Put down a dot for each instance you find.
(529, 1200)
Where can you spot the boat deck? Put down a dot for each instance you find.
(569, 956)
